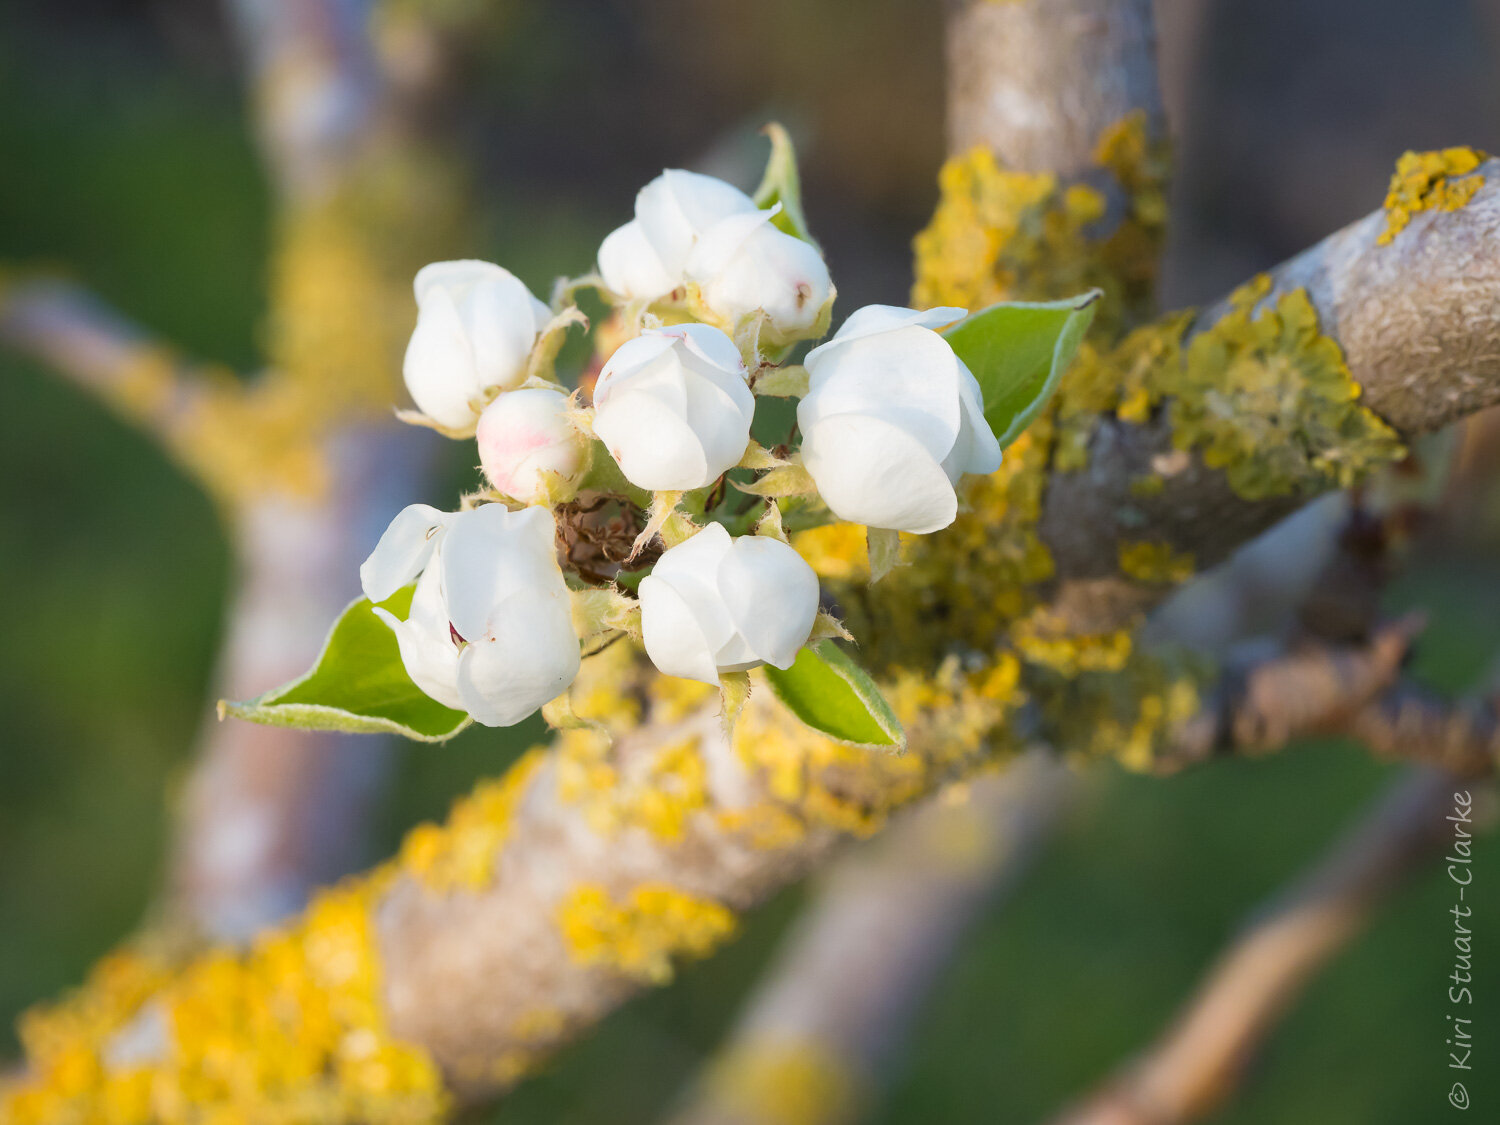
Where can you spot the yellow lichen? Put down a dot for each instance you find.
(999, 234)
(1043, 638)
(1442, 180)
(461, 854)
(292, 1029)
(642, 935)
(1155, 562)
(657, 790)
(1268, 399)
(782, 1083)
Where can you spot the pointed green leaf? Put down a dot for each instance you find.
(781, 184)
(836, 697)
(1018, 352)
(357, 684)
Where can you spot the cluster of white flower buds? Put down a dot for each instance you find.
(713, 292)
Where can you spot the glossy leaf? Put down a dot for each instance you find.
(832, 694)
(1018, 352)
(357, 684)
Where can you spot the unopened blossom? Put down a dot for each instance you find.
(719, 604)
(647, 257)
(490, 629)
(673, 407)
(524, 434)
(745, 266)
(476, 327)
(892, 420)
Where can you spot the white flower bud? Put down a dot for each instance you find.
(717, 604)
(490, 630)
(892, 419)
(744, 265)
(674, 408)
(630, 266)
(647, 257)
(521, 434)
(476, 327)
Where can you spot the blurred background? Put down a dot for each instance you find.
(131, 166)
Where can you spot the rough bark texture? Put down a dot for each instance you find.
(1036, 81)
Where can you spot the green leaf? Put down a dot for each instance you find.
(357, 684)
(1018, 352)
(836, 697)
(781, 184)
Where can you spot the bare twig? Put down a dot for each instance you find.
(1201, 1058)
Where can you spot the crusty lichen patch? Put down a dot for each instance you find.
(1146, 561)
(1000, 234)
(641, 935)
(1440, 180)
(1267, 398)
(293, 1029)
(461, 854)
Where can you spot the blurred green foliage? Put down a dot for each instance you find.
(142, 182)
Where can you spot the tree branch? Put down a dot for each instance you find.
(831, 1016)
(103, 353)
(1202, 1057)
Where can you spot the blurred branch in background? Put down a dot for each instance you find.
(1202, 1057)
(829, 1023)
(304, 458)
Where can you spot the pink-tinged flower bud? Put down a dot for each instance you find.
(524, 433)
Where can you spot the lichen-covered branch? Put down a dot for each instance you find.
(1202, 1057)
(830, 1019)
(556, 893)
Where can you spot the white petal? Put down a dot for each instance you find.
(454, 277)
(697, 558)
(632, 356)
(677, 206)
(527, 655)
(710, 345)
(721, 243)
(769, 271)
(439, 367)
(651, 442)
(673, 637)
(489, 554)
(871, 472)
(720, 420)
(630, 266)
(909, 377)
(432, 663)
(984, 449)
(691, 568)
(772, 596)
(885, 318)
(404, 549)
(501, 317)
